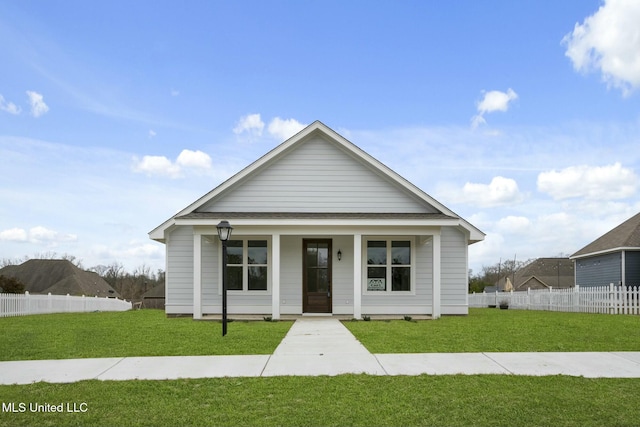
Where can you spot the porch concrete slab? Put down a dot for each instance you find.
(54, 371)
(439, 364)
(175, 367)
(581, 364)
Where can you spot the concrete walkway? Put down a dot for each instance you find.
(322, 346)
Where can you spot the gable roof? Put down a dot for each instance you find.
(624, 236)
(58, 277)
(548, 272)
(316, 128)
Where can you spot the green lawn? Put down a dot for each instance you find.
(490, 329)
(482, 400)
(347, 400)
(131, 333)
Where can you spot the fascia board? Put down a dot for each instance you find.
(605, 251)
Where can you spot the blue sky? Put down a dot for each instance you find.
(523, 117)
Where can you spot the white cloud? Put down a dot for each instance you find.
(591, 182)
(284, 128)
(152, 133)
(500, 191)
(250, 124)
(162, 166)
(194, 159)
(14, 235)
(513, 224)
(38, 107)
(38, 234)
(175, 92)
(493, 100)
(609, 41)
(9, 107)
(156, 165)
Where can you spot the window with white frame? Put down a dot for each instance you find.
(247, 265)
(388, 265)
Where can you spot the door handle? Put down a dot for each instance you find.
(329, 291)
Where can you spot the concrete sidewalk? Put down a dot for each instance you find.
(322, 346)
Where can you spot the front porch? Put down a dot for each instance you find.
(282, 286)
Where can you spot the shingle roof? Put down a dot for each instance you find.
(626, 235)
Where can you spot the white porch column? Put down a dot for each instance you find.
(357, 276)
(197, 275)
(435, 303)
(275, 276)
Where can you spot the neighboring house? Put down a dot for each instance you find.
(542, 273)
(612, 258)
(58, 277)
(319, 227)
(154, 297)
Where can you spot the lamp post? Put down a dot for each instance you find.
(224, 233)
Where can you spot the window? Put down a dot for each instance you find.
(388, 265)
(247, 265)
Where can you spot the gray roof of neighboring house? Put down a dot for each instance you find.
(626, 235)
(155, 292)
(549, 272)
(58, 277)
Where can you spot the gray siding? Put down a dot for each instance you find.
(317, 176)
(599, 270)
(180, 267)
(211, 296)
(343, 275)
(291, 275)
(454, 283)
(632, 264)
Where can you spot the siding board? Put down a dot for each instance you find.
(317, 176)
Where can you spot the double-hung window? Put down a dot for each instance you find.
(247, 265)
(389, 265)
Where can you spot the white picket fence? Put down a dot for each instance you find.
(612, 299)
(25, 304)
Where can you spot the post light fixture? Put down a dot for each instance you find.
(339, 254)
(224, 233)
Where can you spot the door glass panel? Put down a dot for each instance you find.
(323, 280)
(234, 252)
(312, 256)
(377, 252)
(312, 280)
(323, 255)
(257, 278)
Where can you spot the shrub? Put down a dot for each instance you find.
(11, 285)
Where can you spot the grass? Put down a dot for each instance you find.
(354, 400)
(131, 333)
(493, 330)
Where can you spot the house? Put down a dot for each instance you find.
(154, 297)
(541, 273)
(319, 227)
(613, 257)
(58, 277)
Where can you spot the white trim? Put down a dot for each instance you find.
(357, 276)
(275, 276)
(245, 286)
(388, 292)
(197, 275)
(437, 273)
